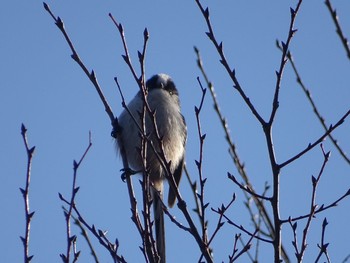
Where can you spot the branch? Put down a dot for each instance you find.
(126, 57)
(318, 141)
(246, 188)
(315, 180)
(323, 246)
(313, 105)
(236, 159)
(240, 227)
(199, 163)
(147, 243)
(71, 240)
(319, 209)
(340, 33)
(285, 48)
(221, 211)
(194, 189)
(91, 75)
(245, 249)
(160, 154)
(99, 234)
(25, 193)
(85, 235)
(231, 72)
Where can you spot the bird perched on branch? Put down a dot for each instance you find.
(163, 99)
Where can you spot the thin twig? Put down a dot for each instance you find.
(91, 75)
(236, 159)
(318, 141)
(323, 246)
(339, 30)
(160, 153)
(315, 180)
(318, 209)
(194, 189)
(199, 163)
(112, 248)
(242, 228)
(224, 62)
(246, 188)
(313, 104)
(284, 59)
(147, 236)
(246, 247)
(346, 259)
(86, 237)
(221, 211)
(71, 239)
(148, 246)
(25, 193)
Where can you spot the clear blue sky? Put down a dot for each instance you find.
(45, 89)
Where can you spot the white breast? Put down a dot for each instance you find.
(170, 125)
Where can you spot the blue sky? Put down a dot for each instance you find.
(45, 89)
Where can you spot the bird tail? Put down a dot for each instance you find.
(159, 221)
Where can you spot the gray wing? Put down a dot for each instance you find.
(178, 171)
(177, 178)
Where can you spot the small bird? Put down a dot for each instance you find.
(163, 98)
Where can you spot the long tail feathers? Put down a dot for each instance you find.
(159, 224)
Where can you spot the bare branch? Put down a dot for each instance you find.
(25, 193)
(199, 162)
(318, 141)
(71, 240)
(240, 227)
(319, 209)
(245, 249)
(91, 75)
(112, 248)
(246, 188)
(315, 180)
(160, 154)
(285, 48)
(313, 104)
(339, 30)
(86, 237)
(233, 151)
(323, 246)
(231, 73)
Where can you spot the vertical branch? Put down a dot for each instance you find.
(236, 159)
(127, 177)
(323, 246)
(313, 206)
(199, 162)
(146, 233)
(151, 250)
(284, 59)
(267, 126)
(160, 154)
(71, 239)
(25, 193)
(268, 135)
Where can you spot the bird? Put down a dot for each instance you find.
(163, 100)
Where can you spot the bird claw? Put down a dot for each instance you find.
(126, 173)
